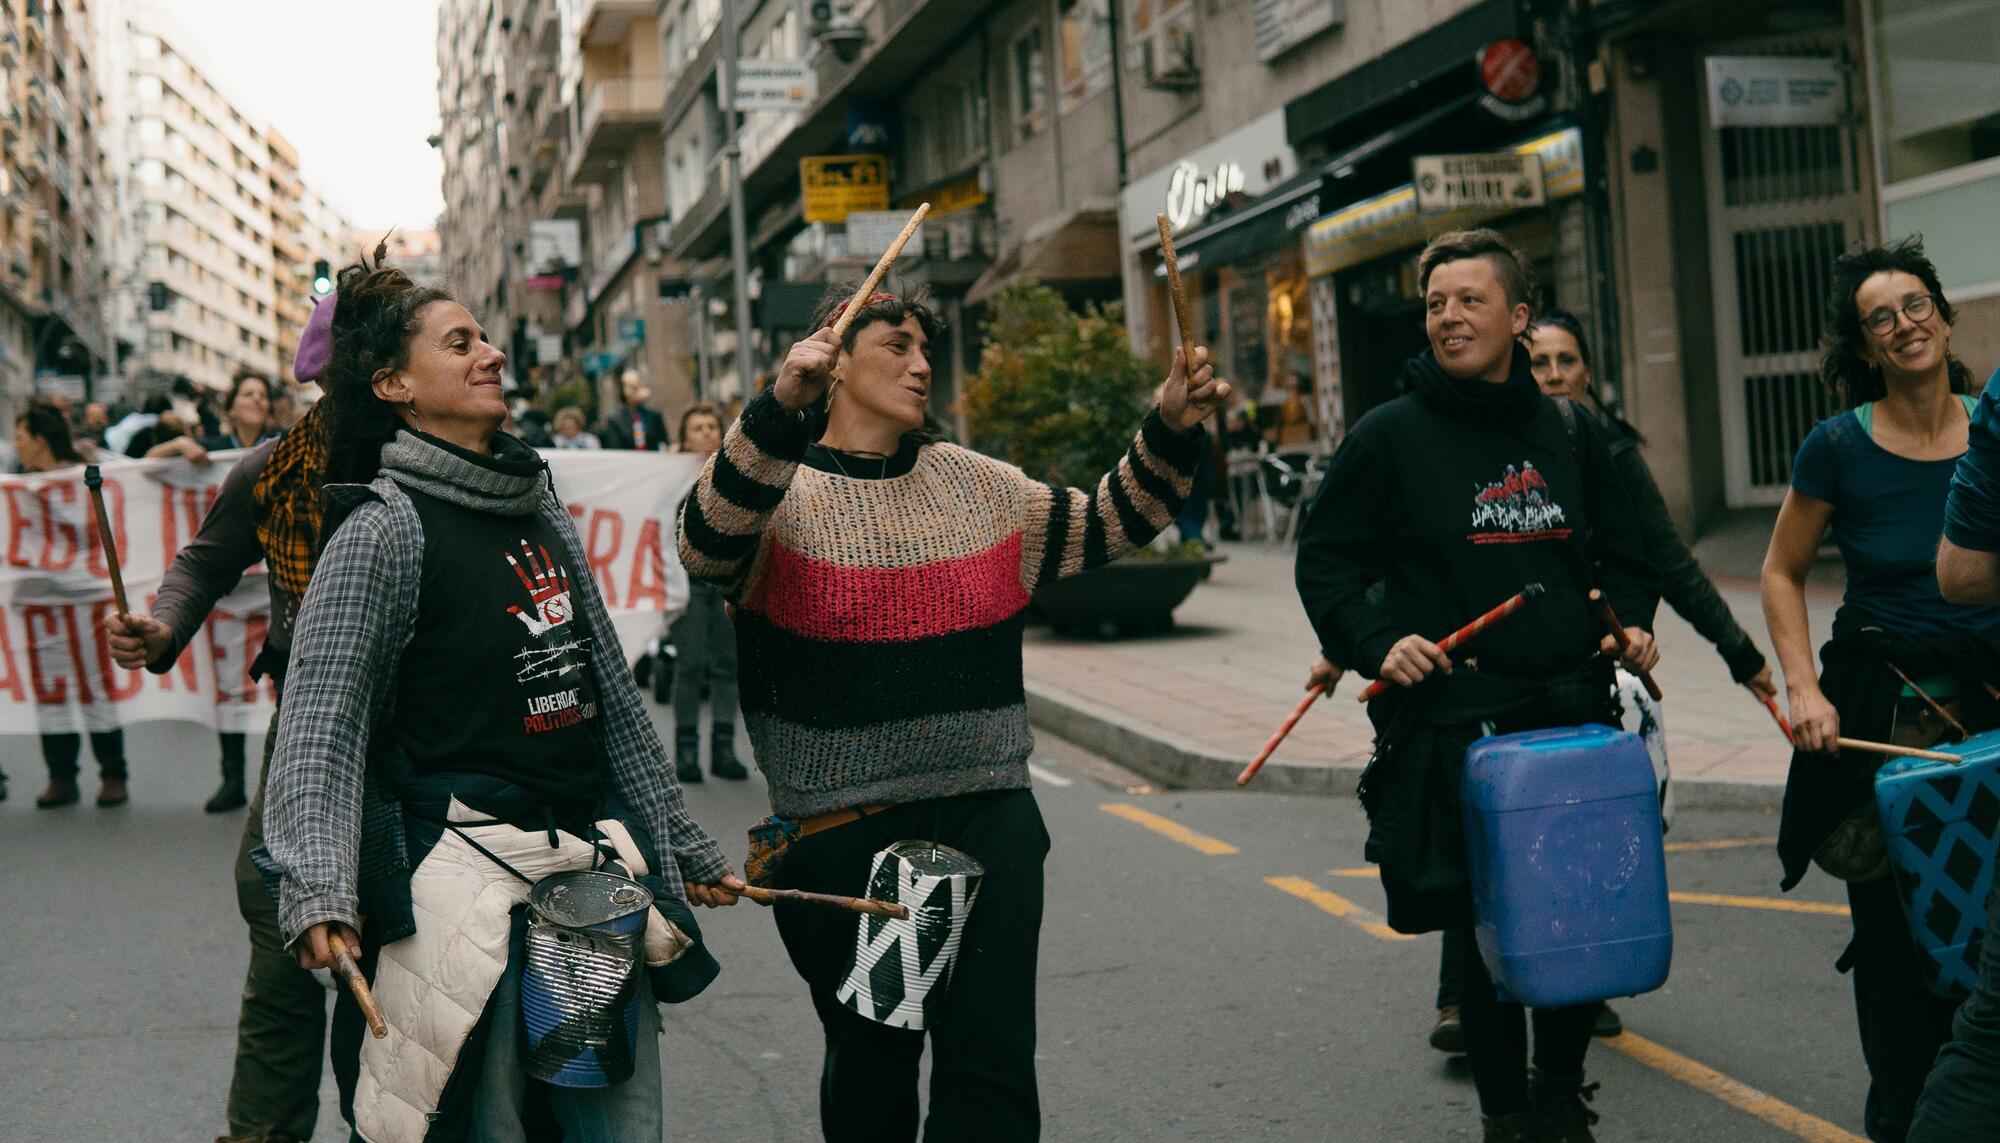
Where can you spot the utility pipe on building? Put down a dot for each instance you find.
(739, 241)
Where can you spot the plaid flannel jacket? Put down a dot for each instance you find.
(328, 825)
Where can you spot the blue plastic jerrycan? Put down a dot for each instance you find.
(1942, 823)
(1569, 874)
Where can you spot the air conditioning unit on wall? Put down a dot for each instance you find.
(1168, 59)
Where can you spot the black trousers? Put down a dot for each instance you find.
(983, 1046)
(1496, 1034)
(1961, 1100)
(62, 752)
(1903, 1024)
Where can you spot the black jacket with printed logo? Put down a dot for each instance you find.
(1455, 496)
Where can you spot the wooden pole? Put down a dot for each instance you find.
(1617, 631)
(888, 259)
(1466, 632)
(358, 984)
(1305, 704)
(94, 481)
(1181, 318)
(1863, 744)
(868, 905)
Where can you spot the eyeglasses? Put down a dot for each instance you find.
(1916, 309)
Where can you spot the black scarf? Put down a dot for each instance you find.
(1514, 399)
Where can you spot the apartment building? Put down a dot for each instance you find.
(53, 285)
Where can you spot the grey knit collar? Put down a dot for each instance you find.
(511, 482)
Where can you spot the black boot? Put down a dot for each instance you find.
(1513, 1128)
(687, 754)
(229, 795)
(1558, 1107)
(722, 753)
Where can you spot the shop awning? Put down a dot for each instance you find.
(1082, 248)
(1274, 219)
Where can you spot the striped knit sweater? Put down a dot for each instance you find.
(878, 622)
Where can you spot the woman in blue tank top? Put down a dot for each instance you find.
(1901, 658)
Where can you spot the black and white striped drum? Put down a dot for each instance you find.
(903, 967)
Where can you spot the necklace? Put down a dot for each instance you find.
(834, 454)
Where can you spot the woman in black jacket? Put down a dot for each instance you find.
(1453, 497)
(1560, 359)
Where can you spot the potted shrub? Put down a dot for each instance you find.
(1060, 394)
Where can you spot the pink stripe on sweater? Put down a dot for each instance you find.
(820, 600)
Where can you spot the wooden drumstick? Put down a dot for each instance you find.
(874, 279)
(1305, 704)
(1623, 641)
(868, 905)
(1181, 318)
(358, 984)
(1864, 744)
(1451, 641)
(94, 481)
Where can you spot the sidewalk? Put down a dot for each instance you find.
(1191, 707)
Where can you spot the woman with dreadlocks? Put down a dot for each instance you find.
(879, 578)
(443, 584)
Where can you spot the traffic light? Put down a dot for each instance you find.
(322, 277)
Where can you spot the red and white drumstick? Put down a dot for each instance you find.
(1466, 632)
(1305, 704)
(1784, 724)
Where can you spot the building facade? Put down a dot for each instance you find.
(53, 278)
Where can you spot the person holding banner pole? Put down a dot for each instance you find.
(42, 442)
(267, 512)
(879, 577)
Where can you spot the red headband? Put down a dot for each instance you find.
(879, 296)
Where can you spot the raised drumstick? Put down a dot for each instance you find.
(868, 905)
(94, 481)
(1305, 704)
(861, 297)
(1471, 629)
(358, 984)
(1181, 318)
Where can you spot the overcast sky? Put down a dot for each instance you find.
(353, 85)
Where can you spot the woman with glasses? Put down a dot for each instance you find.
(1901, 658)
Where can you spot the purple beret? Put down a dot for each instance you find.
(316, 343)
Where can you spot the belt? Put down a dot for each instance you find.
(827, 821)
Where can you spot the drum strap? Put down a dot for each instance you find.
(596, 838)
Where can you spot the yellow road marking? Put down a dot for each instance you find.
(1355, 871)
(1821, 908)
(1726, 843)
(1166, 828)
(1741, 1096)
(1334, 903)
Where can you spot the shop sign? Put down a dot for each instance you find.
(1391, 221)
(870, 233)
(833, 185)
(964, 194)
(773, 85)
(632, 329)
(1192, 193)
(1504, 180)
(1512, 77)
(554, 245)
(1776, 91)
(1285, 24)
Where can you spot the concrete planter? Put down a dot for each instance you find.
(1132, 596)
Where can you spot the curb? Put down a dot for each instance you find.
(1181, 763)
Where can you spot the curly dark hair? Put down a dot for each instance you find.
(236, 387)
(894, 309)
(43, 419)
(697, 411)
(1843, 362)
(377, 315)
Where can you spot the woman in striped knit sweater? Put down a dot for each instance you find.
(879, 579)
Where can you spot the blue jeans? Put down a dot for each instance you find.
(622, 1113)
(1961, 1100)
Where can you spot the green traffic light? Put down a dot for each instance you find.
(322, 285)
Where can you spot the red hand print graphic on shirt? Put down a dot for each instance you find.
(548, 590)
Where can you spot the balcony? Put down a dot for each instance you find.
(616, 112)
(604, 21)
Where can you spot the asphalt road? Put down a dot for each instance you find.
(1211, 970)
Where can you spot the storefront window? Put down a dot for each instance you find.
(1938, 72)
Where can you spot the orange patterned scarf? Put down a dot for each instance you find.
(287, 502)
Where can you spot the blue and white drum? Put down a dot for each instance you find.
(902, 967)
